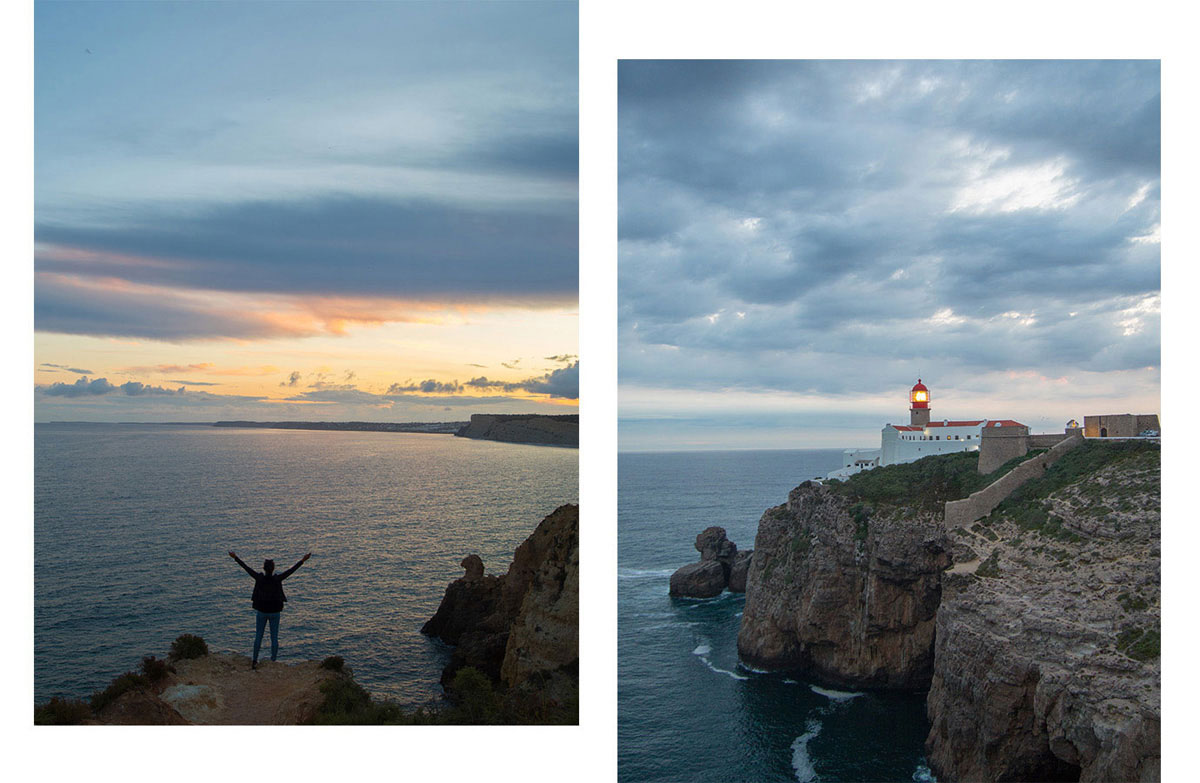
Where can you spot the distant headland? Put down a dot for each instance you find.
(524, 428)
(435, 427)
(528, 428)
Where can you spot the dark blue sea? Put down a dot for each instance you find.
(687, 709)
(132, 524)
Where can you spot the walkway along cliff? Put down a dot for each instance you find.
(1032, 618)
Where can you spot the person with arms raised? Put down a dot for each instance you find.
(268, 600)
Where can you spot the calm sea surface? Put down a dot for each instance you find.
(133, 523)
(688, 711)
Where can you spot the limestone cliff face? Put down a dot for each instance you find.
(1046, 661)
(524, 623)
(523, 428)
(544, 636)
(845, 595)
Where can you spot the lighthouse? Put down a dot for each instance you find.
(918, 409)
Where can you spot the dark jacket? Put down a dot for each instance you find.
(268, 588)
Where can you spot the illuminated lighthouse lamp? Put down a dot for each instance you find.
(919, 396)
(919, 405)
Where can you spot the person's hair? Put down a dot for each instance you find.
(269, 566)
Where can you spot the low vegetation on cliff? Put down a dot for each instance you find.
(925, 485)
(1030, 506)
(151, 673)
(472, 699)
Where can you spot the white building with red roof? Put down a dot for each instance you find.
(920, 437)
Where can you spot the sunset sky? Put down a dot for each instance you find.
(800, 241)
(305, 210)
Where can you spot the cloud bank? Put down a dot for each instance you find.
(836, 228)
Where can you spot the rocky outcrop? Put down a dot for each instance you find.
(523, 428)
(844, 594)
(524, 624)
(705, 579)
(1046, 662)
(221, 689)
(740, 570)
(721, 565)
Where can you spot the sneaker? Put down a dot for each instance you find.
(253, 664)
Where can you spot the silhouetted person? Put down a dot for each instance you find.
(267, 600)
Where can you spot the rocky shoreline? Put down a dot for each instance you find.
(1035, 632)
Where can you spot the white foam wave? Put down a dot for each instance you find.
(702, 649)
(751, 669)
(790, 682)
(801, 763)
(923, 775)
(835, 695)
(713, 668)
(642, 573)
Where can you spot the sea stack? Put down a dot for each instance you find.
(721, 566)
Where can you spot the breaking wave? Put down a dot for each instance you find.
(801, 763)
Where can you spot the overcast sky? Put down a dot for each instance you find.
(801, 240)
(305, 210)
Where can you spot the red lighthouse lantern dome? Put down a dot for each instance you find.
(919, 396)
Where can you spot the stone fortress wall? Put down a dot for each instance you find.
(998, 445)
(960, 513)
(1119, 425)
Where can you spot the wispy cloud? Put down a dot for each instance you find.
(75, 370)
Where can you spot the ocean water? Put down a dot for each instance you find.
(687, 709)
(132, 525)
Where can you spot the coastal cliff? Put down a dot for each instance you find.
(1036, 630)
(523, 428)
(521, 629)
(1046, 662)
(845, 595)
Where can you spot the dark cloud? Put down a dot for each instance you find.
(81, 388)
(562, 358)
(194, 383)
(292, 379)
(429, 386)
(783, 222)
(563, 382)
(63, 305)
(136, 389)
(100, 386)
(353, 246)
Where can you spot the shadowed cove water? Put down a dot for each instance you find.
(133, 523)
(688, 711)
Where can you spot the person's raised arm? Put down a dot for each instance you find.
(249, 570)
(288, 572)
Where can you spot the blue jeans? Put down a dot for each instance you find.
(259, 623)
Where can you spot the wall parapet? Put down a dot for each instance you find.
(960, 513)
